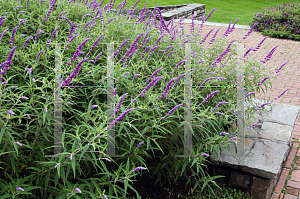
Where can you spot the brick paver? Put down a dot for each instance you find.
(288, 51)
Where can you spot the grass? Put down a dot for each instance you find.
(227, 11)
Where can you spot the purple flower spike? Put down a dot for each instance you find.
(204, 154)
(19, 188)
(38, 54)
(209, 96)
(18, 143)
(27, 41)
(139, 144)
(136, 75)
(173, 109)
(263, 105)
(154, 74)
(281, 67)
(78, 190)
(250, 31)
(223, 133)
(283, 93)
(139, 168)
(93, 106)
(263, 80)
(249, 94)
(10, 112)
(121, 101)
(220, 104)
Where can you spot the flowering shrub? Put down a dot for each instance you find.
(144, 119)
(280, 21)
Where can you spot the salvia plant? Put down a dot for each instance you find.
(149, 77)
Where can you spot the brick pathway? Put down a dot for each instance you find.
(288, 185)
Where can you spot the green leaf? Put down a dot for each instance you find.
(183, 168)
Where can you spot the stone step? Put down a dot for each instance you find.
(263, 150)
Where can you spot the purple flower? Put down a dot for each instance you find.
(30, 70)
(268, 57)
(234, 138)
(119, 118)
(93, 106)
(39, 54)
(59, 16)
(69, 102)
(159, 39)
(283, 93)
(121, 101)
(4, 82)
(19, 188)
(139, 168)
(149, 85)
(135, 76)
(27, 41)
(210, 14)
(209, 96)
(263, 105)
(154, 74)
(171, 111)
(213, 38)
(220, 104)
(178, 79)
(28, 116)
(260, 44)
(263, 80)
(223, 133)
(33, 79)
(11, 54)
(68, 20)
(24, 97)
(203, 40)
(19, 145)
(281, 67)
(40, 31)
(249, 94)
(18, 7)
(171, 53)
(97, 57)
(179, 64)
(46, 109)
(96, 42)
(125, 74)
(78, 190)
(11, 112)
(227, 31)
(3, 33)
(139, 144)
(212, 78)
(248, 51)
(167, 88)
(250, 30)
(204, 154)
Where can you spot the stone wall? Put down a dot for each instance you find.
(184, 11)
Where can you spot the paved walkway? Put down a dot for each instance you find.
(288, 51)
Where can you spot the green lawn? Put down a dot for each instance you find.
(227, 10)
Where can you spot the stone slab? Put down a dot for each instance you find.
(267, 146)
